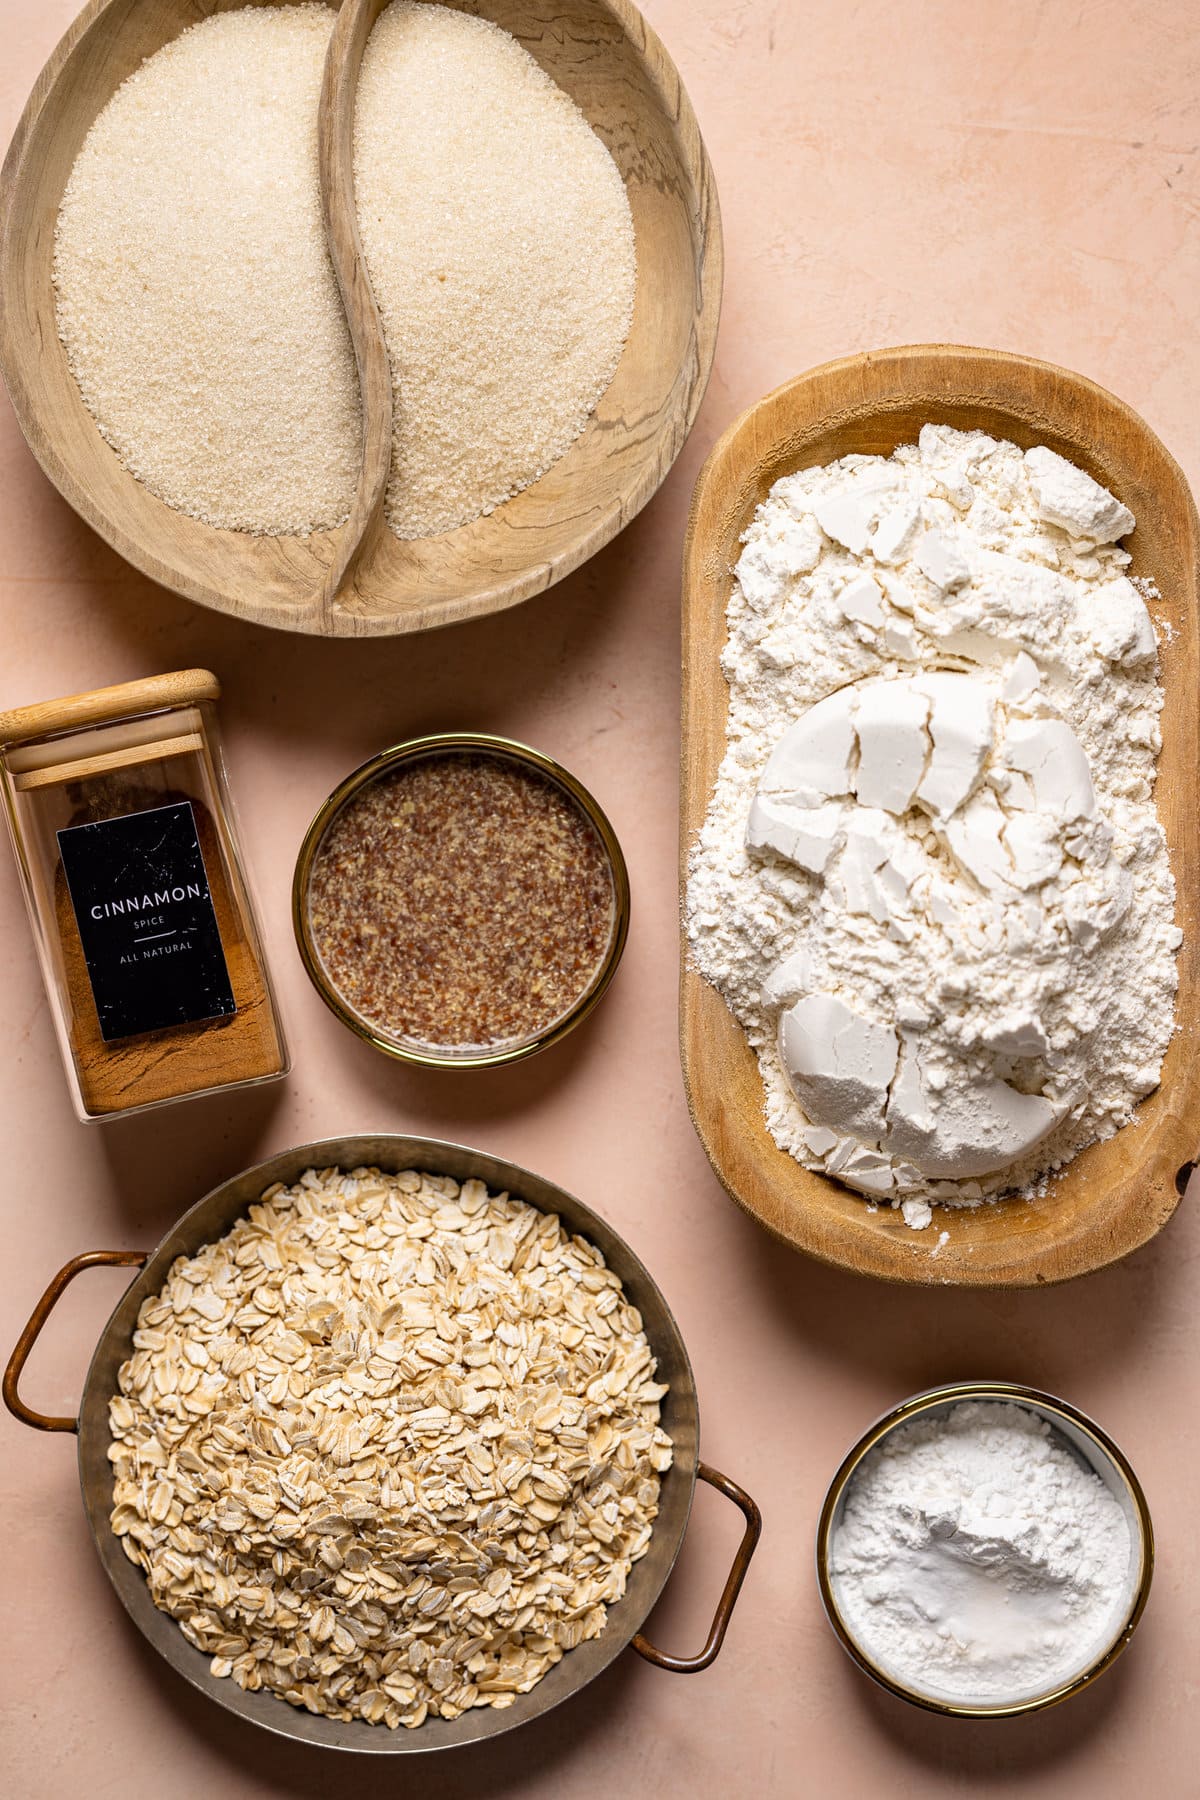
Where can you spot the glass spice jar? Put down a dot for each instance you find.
(120, 819)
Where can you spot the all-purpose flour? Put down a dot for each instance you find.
(931, 882)
(977, 1558)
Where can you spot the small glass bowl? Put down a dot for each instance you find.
(418, 750)
(1095, 1448)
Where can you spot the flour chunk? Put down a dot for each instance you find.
(840, 1063)
(1120, 627)
(973, 1128)
(812, 760)
(961, 725)
(893, 744)
(847, 516)
(1048, 751)
(802, 835)
(862, 599)
(940, 559)
(1068, 497)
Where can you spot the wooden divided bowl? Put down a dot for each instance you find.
(362, 580)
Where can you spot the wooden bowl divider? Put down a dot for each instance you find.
(361, 580)
(1114, 1196)
(335, 152)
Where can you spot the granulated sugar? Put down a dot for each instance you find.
(499, 241)
(196, 300)
(198, 307)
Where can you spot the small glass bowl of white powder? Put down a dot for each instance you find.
(984, 1550)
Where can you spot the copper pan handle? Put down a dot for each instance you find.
(41, 1312)
(691, 1665)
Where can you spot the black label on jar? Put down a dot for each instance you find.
(139, 889)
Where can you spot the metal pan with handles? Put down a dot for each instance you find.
(214, 1215)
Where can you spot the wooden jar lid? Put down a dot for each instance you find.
(100, 706)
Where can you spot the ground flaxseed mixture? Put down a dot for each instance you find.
(463, 901)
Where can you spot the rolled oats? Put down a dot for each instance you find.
(390, 1447)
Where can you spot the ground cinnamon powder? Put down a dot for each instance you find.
(122, 1073)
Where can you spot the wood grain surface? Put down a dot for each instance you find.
(148, 694)
(1116, 1195)
(335, 151)
(362, 580)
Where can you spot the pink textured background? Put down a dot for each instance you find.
(1022, 174)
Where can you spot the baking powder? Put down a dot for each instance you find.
(977, 1559)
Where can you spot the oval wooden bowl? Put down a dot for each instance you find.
(1116, 1195)
(361, 580)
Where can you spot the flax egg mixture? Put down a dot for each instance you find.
(931, 883)
(462, 902)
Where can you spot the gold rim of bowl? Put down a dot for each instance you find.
(1055, 1411)
(418, 750)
